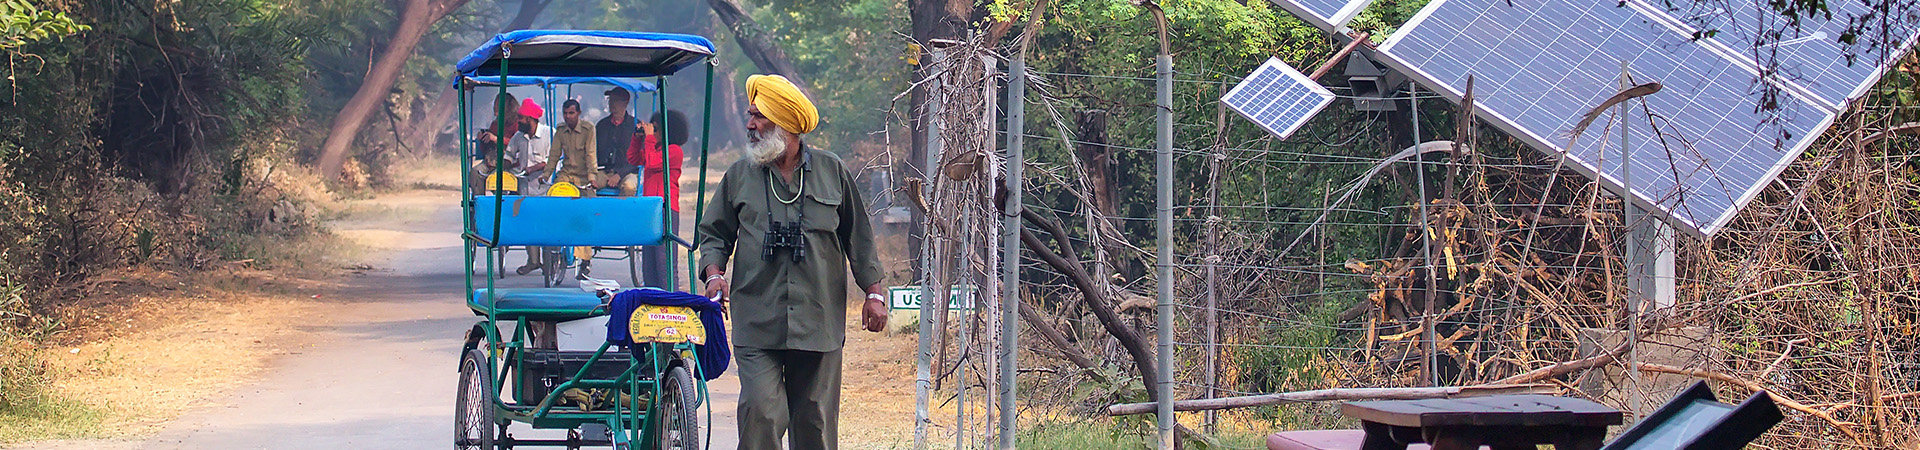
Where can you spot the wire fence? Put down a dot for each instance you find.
(1481, 263)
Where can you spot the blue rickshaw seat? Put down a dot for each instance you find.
(539, 304)
(569, 221)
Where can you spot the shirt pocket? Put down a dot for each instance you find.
(823, 211)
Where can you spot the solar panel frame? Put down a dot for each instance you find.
(1253, 99)
(1323, 13)
(1679, 210)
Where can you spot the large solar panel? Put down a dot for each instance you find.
(1540, 65)
(1329, 15)
(1810, 54)
(1278, 98)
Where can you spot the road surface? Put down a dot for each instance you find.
(380, 372)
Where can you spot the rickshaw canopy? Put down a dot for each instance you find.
(583, 53)
(630, 84)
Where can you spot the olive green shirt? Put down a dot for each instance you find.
(577, 143)
(780, 304)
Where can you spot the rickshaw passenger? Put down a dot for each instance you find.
(486, 138)
(528, 142)
(533, 142)
(612, 135)
(574, 140)
(645, 152)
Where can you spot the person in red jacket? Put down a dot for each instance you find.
(645, 153)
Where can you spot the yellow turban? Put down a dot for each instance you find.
(782, 102)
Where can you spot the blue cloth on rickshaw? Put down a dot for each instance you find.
(715, 355)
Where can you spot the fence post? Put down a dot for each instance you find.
(1163, 175)
(1010, 239)
(923, 359)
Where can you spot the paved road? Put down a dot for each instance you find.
(382, 374)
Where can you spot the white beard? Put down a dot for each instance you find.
(771, 146)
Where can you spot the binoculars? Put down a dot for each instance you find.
(786, 235)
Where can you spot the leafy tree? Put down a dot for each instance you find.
(22, 22)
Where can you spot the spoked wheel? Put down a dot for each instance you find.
(553, 267)
(475, 424)
(679, 425)
(633, 266)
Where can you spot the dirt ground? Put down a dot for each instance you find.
(171, 360)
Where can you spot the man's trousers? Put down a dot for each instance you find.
(782, 390)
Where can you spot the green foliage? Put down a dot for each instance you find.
(22, 22)
(854, 53)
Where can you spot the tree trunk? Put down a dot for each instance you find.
(758, 47)
(729, 103)
(931, 19)
(416, 18)
(1097, 155)
(421, 135)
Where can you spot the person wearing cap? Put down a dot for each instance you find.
(612, 136)
(777, 241)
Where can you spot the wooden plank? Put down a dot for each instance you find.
(1516, 410)
(1405, 413)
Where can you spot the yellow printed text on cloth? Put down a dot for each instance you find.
(666, 324)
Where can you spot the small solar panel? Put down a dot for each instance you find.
(1278, 98)
(1540, 65)
(1329, 15)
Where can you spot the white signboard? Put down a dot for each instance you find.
(908, 297)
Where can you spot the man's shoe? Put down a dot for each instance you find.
(527, 269)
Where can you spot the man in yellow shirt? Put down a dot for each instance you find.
(574, 140)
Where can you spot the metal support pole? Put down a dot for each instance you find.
(669, 218)
(1428, 338)
(1163, 181)
(923, 358)
(700, 202)
(467, 150)
(1636, 279)
(1010, 239)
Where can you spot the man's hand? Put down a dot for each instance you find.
(873, 314)
(717, 287)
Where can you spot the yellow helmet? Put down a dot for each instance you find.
(506, 181)
(563, 189)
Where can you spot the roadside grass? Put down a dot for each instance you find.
(29, 407)
(42, 415)
(138, 346)
(1104, 434)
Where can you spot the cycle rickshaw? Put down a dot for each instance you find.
(555, 261)
(613, 368)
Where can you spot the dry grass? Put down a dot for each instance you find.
(140, 346)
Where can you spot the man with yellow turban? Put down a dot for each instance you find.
(791, 221)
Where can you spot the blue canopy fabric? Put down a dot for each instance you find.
(583, 53)
(631, 84)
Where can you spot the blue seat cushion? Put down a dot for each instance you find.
(569, 221)
(554, 304)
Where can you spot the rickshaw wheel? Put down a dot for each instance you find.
(633, 266)
(474, 419)
(552, 266)
(679, 425)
